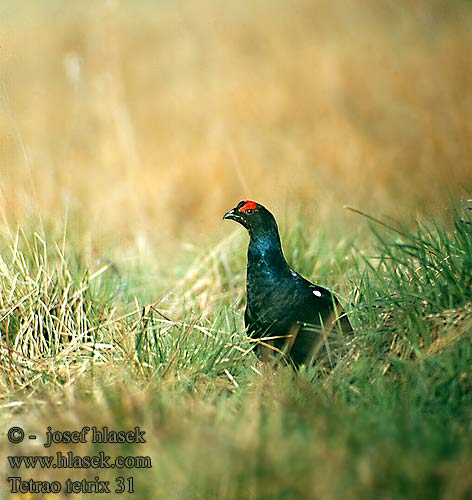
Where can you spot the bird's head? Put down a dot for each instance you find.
(253, 216)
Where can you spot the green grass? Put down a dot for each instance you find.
(392, 419)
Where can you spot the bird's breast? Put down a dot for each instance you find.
(271, 298)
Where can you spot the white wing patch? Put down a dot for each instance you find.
(317, 293)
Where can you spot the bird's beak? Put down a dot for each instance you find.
(233, 214)
(230, 214)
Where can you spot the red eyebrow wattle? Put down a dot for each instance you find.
(248, 205)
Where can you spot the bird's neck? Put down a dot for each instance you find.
(265, 249)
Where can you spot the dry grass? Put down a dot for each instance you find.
(147, 120)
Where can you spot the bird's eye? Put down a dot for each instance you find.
(249, 211)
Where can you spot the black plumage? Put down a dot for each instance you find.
(288, 313)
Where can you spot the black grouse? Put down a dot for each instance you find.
(286, 312)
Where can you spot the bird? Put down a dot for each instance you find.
(288, 316)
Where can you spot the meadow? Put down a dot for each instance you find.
(126, 131)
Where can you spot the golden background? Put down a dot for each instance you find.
(148, 120)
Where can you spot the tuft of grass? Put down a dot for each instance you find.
(418, 281)
(413, 345)
(54, 319)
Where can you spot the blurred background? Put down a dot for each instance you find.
(146, 121)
